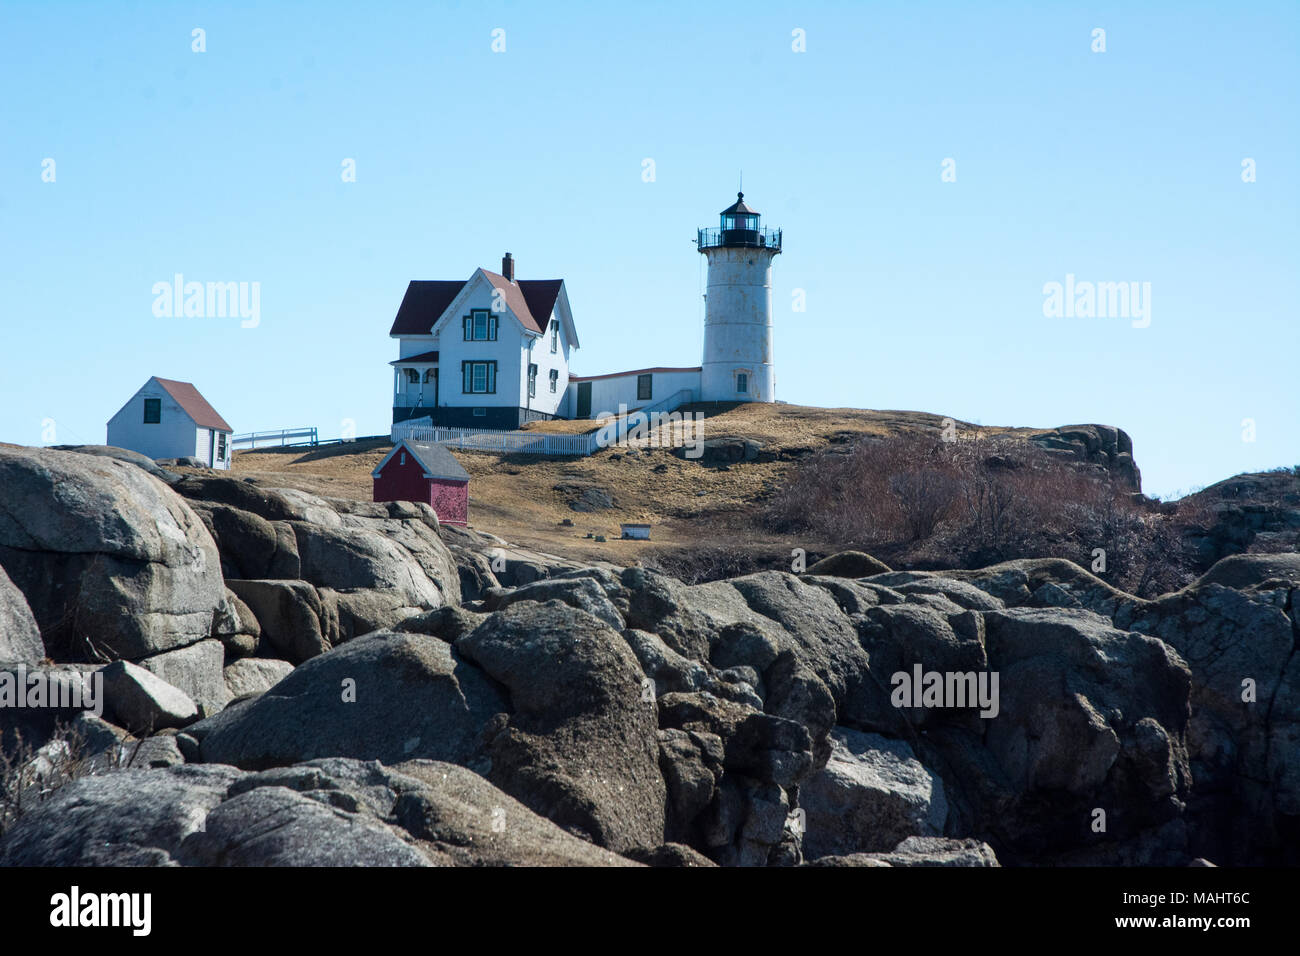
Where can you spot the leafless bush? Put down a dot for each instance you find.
(917, 501)
(31, 775)
(925, 496)
(879, 492)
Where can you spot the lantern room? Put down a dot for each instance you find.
(740, 226)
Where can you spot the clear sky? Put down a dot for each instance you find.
(226, 165)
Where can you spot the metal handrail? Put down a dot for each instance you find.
(622, 425)
(764, 238)
(283, 434)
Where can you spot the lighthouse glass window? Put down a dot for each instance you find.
(742, 382)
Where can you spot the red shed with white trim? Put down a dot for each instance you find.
(423, 471)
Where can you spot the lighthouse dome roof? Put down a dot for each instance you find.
(740, 206)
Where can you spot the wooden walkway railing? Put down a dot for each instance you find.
(282, 436)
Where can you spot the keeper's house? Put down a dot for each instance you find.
(487, 352)
(421, 471)
(168, 419)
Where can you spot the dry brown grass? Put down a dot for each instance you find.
(689, 505)
(562, 426)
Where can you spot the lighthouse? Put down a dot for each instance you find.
(737, 362)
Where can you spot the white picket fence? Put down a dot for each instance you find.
(537, 443)
(488, 439)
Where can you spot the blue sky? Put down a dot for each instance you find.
(1122, 166)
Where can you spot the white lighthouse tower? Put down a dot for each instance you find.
(737, 363)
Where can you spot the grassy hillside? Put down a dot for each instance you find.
(691, 505)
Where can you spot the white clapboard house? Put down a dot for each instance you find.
(491, 351)
(168, 419)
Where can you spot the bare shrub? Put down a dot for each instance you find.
(925, 496)
(29, 775)
(879, 492)
(919, 502)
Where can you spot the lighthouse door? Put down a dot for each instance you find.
(584, 400)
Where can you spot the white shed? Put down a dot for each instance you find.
(168, 419)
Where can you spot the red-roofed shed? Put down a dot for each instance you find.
(423, 471)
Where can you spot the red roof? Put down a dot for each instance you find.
(540, 294)
(194, 404)
(423, 303)
(532, 300)
(635, 371)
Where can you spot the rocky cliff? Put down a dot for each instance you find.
(382, 690)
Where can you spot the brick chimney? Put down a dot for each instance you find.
(508, 267)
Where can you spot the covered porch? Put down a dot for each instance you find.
(415, 383)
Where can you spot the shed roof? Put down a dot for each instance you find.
(194, 404)
(435, 459)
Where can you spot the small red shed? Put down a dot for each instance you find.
(423, 471)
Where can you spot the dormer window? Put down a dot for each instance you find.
(480, 326)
